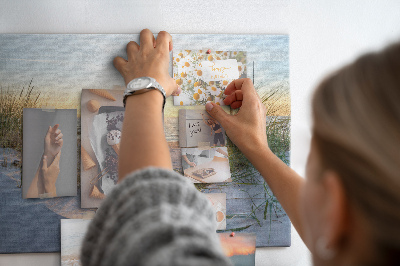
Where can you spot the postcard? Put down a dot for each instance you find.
(102, 114)
(218, 202)
(72, 234)
(49, 153)
(204, 74)
(198, 129)
(240, 248)
(206, 165)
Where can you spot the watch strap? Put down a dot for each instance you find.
(153, 86)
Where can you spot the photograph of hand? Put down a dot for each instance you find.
(49, 153)
(44, 182)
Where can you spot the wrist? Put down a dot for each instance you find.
(254, 152)
(151, 99)
(49, 188)
(143, 85)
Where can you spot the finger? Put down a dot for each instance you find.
(119, 63)
(245, 85)
(57, 159)
(59, 137)
(146, 40)
(164, 41)
(235, 96)
(44, 162)
(217, 113)
(236, 105)
(131, 48)
(58, 131)
(59, 142)
(177, 92)
(48, 132)
(56, 126)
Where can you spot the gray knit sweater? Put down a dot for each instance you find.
(153, 217)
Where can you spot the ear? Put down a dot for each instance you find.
(336, 210)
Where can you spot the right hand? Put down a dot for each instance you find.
(246, 129)
(53, 142)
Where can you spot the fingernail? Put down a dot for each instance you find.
(45, 157)
(209, 106)
(179, 90)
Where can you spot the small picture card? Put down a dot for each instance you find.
(206, 165)
(198, 129)
(49, 156)
(218, 201)
(204, 76)
(240, 248)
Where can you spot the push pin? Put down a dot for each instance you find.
(208, 51)
(232, 234)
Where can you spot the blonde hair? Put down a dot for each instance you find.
(356, 113)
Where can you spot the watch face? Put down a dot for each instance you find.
(140, 83)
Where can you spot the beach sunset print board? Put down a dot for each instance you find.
(38, 70)
(204, 74)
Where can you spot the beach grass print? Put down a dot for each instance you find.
(12, 103)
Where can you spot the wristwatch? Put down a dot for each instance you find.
(142, 85)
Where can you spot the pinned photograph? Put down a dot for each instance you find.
(198, 129)
(218, 201)
(72, 234)
(203, 75)
(206, 165)
(240, 248)
(102, 115)
(49, 153)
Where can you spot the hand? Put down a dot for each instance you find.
(192, 164)
(150, 59)
(53, 142)
(49, 174)
(247, 129)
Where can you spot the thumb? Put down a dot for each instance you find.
(48, 131)
(217, 112)
(177, 91)
(44, 163)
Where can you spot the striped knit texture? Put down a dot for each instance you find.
(153, 217)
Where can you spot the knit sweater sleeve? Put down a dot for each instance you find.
(153, 217)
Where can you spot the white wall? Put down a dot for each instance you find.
(323, 36)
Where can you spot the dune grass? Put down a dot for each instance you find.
(277, 101)
(12, 103)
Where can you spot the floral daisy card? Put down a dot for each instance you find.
(204, 74)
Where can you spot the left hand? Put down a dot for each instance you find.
(150, 59)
